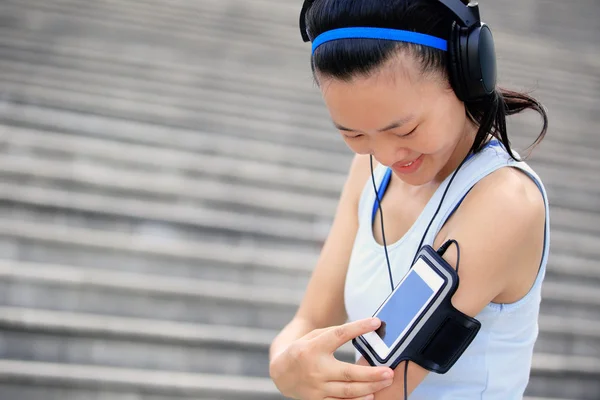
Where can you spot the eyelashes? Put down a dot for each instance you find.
(400, 136)
(408, 134)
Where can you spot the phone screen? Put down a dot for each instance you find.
(407, 302)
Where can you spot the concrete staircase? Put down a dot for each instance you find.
(168, 174)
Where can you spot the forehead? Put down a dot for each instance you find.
(369, 102)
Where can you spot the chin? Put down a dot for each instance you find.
(415, 179)
(423, 176)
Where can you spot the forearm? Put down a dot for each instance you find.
(293, 331)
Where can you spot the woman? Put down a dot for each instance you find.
(426, 120)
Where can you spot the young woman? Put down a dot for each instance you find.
(426, 109)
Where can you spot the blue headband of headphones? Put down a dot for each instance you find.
(380, 33)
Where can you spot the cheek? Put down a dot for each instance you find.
(358, 146)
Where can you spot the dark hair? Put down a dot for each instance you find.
(345, 59)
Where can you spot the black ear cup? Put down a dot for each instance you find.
(486, 61)
(472, 62)
(454, 62)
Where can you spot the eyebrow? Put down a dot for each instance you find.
(393, 125)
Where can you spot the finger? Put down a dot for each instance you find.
(314, 334)
(351, 390)
(336, 336)
(346, 372)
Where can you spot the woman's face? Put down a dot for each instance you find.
(408, 121)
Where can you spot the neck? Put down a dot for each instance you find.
(460, 152)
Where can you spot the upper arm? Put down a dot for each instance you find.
(323, 302)
(499, 228)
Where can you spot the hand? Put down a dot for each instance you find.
(308, 370)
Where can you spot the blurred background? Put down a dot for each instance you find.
(168, 174)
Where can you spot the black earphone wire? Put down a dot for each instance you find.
(439, 207)
(444, 246)
(378, 200)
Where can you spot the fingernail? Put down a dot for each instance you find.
(375, 322)
(387, 375)
(388, 382)
(369, 397)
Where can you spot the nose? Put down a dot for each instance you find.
(387, 153)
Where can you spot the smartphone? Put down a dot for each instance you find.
(404, 308)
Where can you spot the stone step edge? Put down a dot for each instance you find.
(153, 186)
(225, 291)
(84, 375)
(235, 256)
(87, 324)
(189, 141)
(310, 232)
(147, 284)
(239, 257)
(504, 36)
(84, 100)
(147, 156)
(273, 229)
(536, 46)
(171, 185)
(112, 127)
(182, 159)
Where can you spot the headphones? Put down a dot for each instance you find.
(471, 50)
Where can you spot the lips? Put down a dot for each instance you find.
(401, 164)
(408, 167)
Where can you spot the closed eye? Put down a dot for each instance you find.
(409, 133)
(353, 137)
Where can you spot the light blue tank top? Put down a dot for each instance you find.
(497, 364)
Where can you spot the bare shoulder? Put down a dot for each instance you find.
(500, 228)
(509, 199)
(360, 172)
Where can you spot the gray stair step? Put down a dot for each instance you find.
(35, 380)
(107, 100)
(180, 221)
(578, 94)
(565, 335)
(169, 137)
(186, 95)
(172, 188)
(65, 96)
(28, 46)
(564, 377)
(136, 343)
(92, 339)
(50, 145)
(112, 31)
(51, 11)
(239, 103)
(551, 159)
(571, 300)
(53, 199)
(178, 201)
(145, 296)
(83, 380)
(129, 294)
(96, 174)
(237, 78)
(245, 263)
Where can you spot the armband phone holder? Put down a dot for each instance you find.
(436, 335)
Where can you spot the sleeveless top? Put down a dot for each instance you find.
(496, 366)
